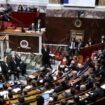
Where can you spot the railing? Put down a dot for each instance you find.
(86, 52)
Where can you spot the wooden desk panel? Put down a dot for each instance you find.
(33, 43)
(15, 37)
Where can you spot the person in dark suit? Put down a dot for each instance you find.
(2, 101)
(20, 8)
(98, 90)
(17, 59)
(32, 27)
(79, 45)
(5, 68)
(73, 47)
(10, 93)
(89, 43)
(22, 101)
(14, 66)
(23, 68)
(78, 101)
(8, 9)
(45, 56)
(40, 100)
(38, 25)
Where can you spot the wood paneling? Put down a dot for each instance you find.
(32, 41)
(58, 29)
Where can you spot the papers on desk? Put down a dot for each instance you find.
(17, 30)
(16, 90)
(52, 55)
(43, 29)
(55, 78)
(68, 91)
(28, 87)
(49, 91)
(4, 94)
(31, 76)
(103, 86)
(30, 31)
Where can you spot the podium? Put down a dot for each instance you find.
(29, 42)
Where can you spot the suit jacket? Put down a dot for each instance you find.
(5, 67)
(13, 65)
(73, 45)
(99, 92)
(32, 27)
(18, 60)
(45, 52)
(38, 26)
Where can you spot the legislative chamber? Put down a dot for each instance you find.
(52, 52)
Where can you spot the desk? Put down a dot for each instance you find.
(23, 42)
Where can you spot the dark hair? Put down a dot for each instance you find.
(40, 100)
(97, 84)
(21, 99)
(63, 102)
(76, 98)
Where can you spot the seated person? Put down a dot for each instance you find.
(40, 100)
(8, 9)
(20, 8)
(22, 101)
(32, 27)
(10, 93)
(38, 25)
(98, 90)
(77, 101)
(1, 100)
(6, 17)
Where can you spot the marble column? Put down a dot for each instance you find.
(54, 1)
(2, 49)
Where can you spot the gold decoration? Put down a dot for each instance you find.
(78, 23)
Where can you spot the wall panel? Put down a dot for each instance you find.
(58, 29)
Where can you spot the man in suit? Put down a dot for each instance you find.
(45, 56)
(14, 65)
(32, 27)
(20, 64)
(22, 101)
(73, 47)
(79, 45)
(38, 25)
(98, 90)
(8, 9)
(5, 68)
